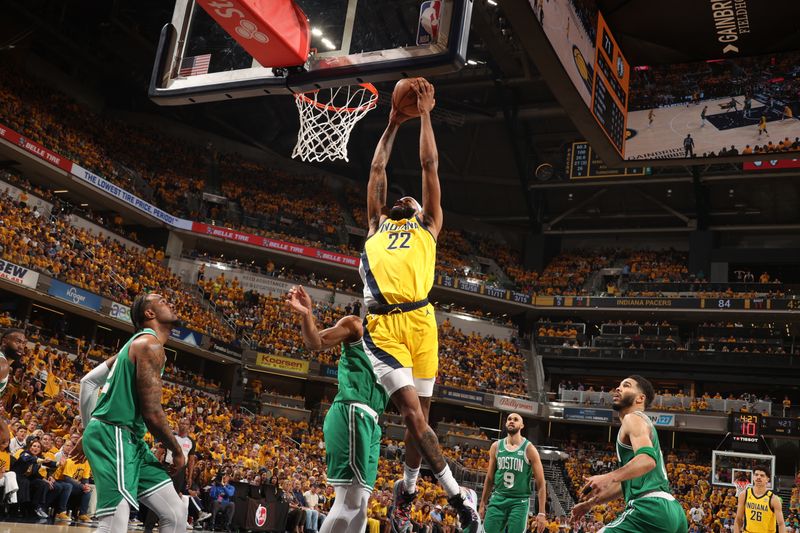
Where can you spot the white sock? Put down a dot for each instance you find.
(448, 482)
(410, 476)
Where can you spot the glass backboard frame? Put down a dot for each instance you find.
(326, 69)
(718, 456)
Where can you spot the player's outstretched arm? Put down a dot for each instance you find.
(377, 186)
(429, 159)
(488, 484)
(541, 486)
(644, 460)
(149, 358)
(777, 508)
(738, 522)
(347, 329)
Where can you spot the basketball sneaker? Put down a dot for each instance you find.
(465, 504)
(400, 513)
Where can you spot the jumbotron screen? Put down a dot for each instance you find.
(721, 106)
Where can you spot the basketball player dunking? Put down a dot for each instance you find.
(642, 478)
(400, 332)
(125, 471)
(758, 509)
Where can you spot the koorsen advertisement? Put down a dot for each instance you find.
(276, 362)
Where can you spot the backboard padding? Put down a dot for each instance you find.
(355, 40)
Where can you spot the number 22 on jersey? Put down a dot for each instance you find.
(398, 240)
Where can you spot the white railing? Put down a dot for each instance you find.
(666, 403)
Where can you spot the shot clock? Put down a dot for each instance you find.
(745, 431)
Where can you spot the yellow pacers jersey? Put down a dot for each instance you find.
(758, 514)
(398, 262)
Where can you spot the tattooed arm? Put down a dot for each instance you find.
(376, 188)
(149, 358)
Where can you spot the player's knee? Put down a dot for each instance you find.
(414, 419)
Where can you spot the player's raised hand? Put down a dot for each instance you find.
(299, 301)
(425, 95)
(396, 117)
(579, 511)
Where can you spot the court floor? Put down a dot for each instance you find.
(664, 137)
(9, 527)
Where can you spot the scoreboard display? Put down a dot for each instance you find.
(610, 87)
(775, 425)
(745, 431)
(582, 162)
(745, 424)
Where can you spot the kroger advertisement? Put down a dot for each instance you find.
(74, 295)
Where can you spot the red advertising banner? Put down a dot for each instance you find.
(772, 164)
(281, 246)
(35, 148)
(274, 32)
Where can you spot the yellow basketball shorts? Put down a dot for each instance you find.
(403, 340)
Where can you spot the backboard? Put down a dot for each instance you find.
(728, 467)
(352, 41)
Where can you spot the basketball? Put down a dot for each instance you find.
(404, 98)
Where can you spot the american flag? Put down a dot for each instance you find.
(195, 65)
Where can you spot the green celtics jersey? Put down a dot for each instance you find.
(119, 401)
(512, 479)
(357, 380)
(653, 481)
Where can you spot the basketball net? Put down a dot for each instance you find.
(327, 116)
(741, 486)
